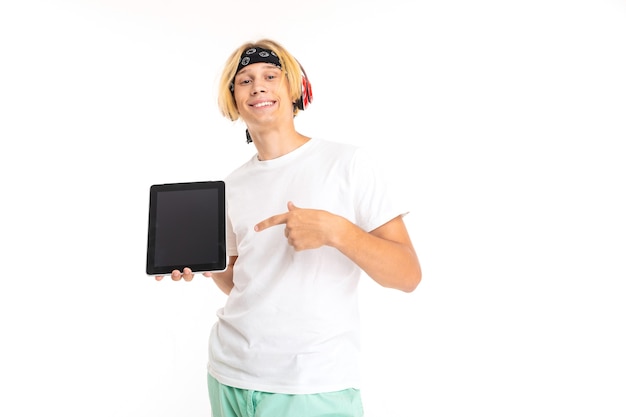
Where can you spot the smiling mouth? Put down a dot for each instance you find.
(264, 104)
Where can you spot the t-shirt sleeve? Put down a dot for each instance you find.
(373, 200)
(231, 238)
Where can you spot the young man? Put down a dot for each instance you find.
(305, 217)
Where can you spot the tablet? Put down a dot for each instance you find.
(187, 227)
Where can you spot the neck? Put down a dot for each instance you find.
(276, 143)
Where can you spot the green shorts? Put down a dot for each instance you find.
(234, 402)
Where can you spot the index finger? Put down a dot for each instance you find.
(271, 221)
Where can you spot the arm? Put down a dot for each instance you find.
(386, 254)
(224, 279)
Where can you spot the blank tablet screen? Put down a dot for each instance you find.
(187, 227)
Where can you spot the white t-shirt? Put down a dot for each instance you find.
(291, 322)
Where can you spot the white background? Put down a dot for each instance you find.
(501, 122)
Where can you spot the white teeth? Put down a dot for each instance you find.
(265, 103)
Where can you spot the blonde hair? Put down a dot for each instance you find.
(290, 69)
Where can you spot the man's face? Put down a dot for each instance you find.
(262, 95)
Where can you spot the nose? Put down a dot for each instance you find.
(258, 87)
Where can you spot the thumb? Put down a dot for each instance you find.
(291, 206)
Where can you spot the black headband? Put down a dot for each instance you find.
(257, 54)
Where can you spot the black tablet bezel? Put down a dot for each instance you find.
(220, 264)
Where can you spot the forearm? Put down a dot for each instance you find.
(224, 279)
(385, 254)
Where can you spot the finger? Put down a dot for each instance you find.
(291, 206)
(271, 221)
(187, 274)
(176, 275)
(207, 274)
(158, 277)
